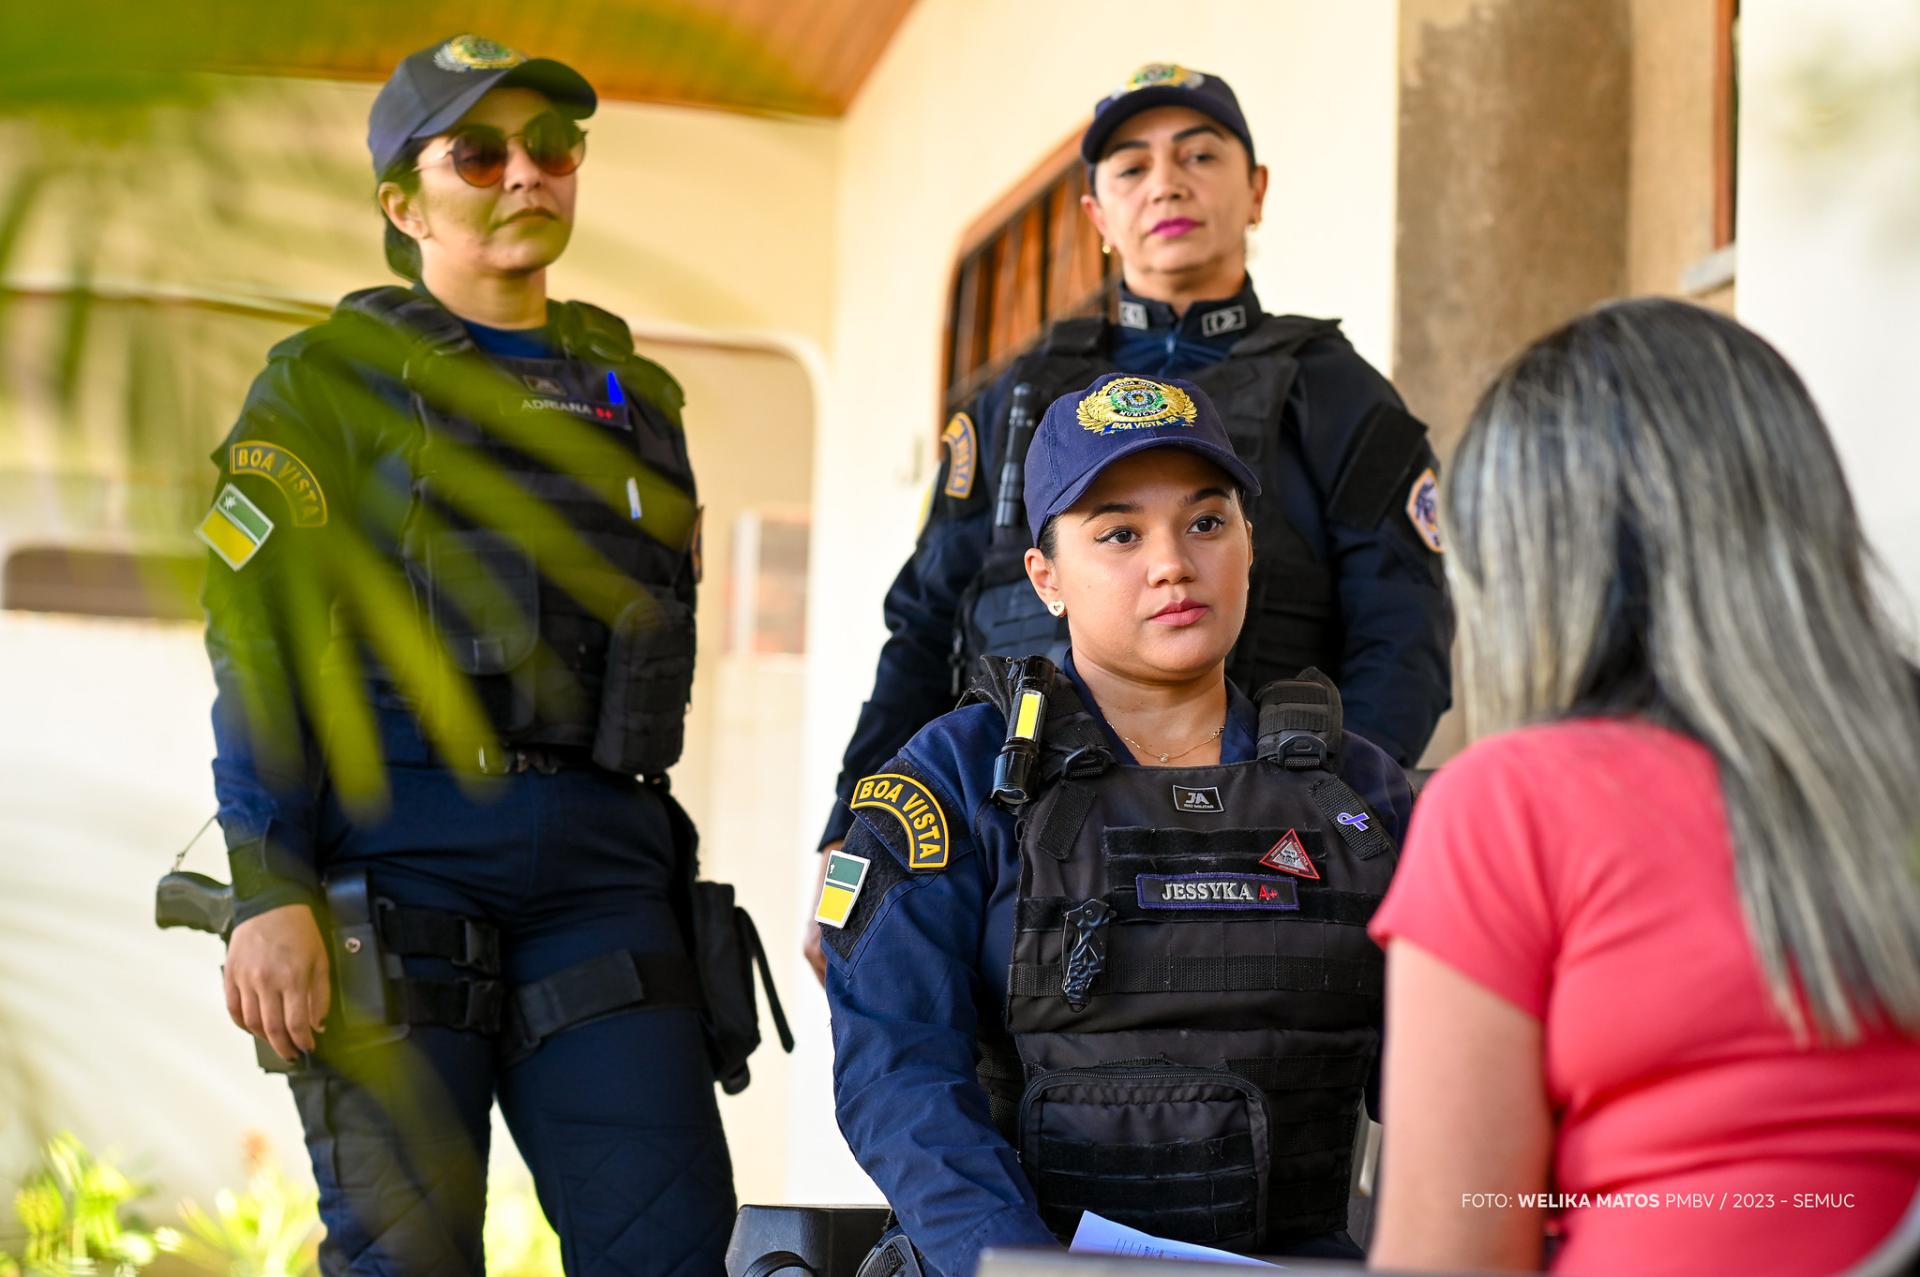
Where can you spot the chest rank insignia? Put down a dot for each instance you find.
(914, 806)
(963, 455)
(1423, 509)
(1289, 856)
(288, 473)
(1131, 403)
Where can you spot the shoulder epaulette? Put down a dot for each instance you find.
(1300, 722)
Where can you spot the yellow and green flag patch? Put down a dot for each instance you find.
(841, 887)
(235, 528)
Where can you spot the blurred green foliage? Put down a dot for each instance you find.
(75, 1212)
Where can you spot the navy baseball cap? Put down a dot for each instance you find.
(430, 90)
(1118, 415)
(1162, 84)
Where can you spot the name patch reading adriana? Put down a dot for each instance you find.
(1215, 891)
(914, 806)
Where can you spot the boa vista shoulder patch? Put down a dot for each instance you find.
(917, 811)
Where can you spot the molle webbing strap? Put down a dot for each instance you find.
(1381, 460)
(599, 986)
(1061, 813)
(1146, 1161)
(1304, 1208)
(431, 933)
(1076, 337)
(595, 332)
(1304, 1072)
(1004, 1079)
(1239, 973)
(1285, 333)
(1308, 704)
(1340, 806)
(475, 1006)
(420, 317)
(993, 682)
(1346, 908)
(1110, 1194)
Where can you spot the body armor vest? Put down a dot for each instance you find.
(1292, 609)
(548, 539)
(1193, 1002)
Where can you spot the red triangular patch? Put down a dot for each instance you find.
(1289, 856)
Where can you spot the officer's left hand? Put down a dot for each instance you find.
(277, 979)
(811, 945)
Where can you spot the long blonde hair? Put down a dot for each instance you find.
(1647, 517)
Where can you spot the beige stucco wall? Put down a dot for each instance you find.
(1670, 178)
(1829, 238)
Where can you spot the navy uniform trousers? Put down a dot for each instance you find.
(615, 1117)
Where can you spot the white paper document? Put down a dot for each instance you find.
(1097, 1236)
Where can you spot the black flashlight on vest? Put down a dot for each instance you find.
(1026, 713)
(1011, 504)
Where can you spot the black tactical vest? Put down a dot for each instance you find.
(548, 539)
(1292, 612)
(1193, 1004)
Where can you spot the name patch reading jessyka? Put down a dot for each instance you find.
(1215, 891)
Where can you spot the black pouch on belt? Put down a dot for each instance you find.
(727, 948)
(649, 676)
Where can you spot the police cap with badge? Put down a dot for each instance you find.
(431, 89)
(1163, 84)
(1117, 416)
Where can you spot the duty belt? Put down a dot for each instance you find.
(498, 760)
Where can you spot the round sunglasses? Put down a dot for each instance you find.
(478, 152)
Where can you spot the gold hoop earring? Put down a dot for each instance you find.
(1106, 249)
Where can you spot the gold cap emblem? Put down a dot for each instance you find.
(1168, 74)
(1130, 403)
(472, 53)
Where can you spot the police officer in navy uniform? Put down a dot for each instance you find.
(1098, 943)
(1347, 573)
(450, 613)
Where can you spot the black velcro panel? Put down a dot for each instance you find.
(1385, 448)
(1146, 1161)
(884, 870)
(1345, 811)
(1110, 1194)
(1237, 973)
(1065, 811)
(1349, 908)
(1304, 1072)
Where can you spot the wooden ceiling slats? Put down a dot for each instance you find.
(801, 57)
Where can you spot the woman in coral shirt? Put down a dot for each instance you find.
(1653, 999)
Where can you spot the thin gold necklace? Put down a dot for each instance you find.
(1210, 737)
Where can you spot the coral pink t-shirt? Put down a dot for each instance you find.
(1583, 871)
